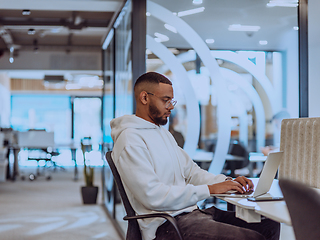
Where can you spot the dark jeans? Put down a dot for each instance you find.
(215, 224)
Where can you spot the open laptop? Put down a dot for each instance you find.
(265, 181)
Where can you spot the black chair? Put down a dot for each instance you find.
(133, 231)
(303, 204)
(239, 150)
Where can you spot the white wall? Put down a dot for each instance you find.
(314, 58)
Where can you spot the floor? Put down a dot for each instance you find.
(53, 209)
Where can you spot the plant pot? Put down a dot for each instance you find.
(89, 195)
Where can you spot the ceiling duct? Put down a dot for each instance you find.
(54, 78)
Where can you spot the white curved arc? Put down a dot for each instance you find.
(224, 119)
(252, 69)
(256, 102)
(247, 88)
(193, 115)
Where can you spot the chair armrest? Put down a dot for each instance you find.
(168, 217)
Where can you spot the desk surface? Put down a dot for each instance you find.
(275, 210)
(205, 156)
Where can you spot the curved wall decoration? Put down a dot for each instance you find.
(193, 115)
(243, 84)
(224, 119)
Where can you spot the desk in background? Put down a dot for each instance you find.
(204, 158)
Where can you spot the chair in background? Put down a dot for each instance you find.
(238, 158)
(133, 231)
(303, 204)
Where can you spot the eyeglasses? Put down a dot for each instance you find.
(167, 102)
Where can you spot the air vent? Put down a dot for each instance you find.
(54, 78)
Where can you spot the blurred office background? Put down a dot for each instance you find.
(238, 68)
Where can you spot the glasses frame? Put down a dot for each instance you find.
(167, 102)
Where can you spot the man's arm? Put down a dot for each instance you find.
(216, 183)
(138, 175)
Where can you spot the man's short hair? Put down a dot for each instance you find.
(153, 78)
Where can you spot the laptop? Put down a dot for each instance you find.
(265, 181)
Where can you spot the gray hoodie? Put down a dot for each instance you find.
(158, 175)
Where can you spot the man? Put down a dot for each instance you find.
(159, 176)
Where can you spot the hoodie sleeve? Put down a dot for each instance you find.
(139, 177)
(196, 175)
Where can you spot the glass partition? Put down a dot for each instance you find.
(117, 101)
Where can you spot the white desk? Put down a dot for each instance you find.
(252, 211)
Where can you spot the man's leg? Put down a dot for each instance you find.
(199, 225)
(267, 227)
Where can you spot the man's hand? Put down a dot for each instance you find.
(240, 184)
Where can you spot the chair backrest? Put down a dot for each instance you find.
(238, 149)
(133, 231)
(303, 204)
(300, 139)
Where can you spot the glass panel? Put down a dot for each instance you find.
(87, 120)
(52, 113)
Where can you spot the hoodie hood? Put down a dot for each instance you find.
(128, 121)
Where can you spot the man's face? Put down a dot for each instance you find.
(157, 106)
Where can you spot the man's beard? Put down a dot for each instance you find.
(154, 112)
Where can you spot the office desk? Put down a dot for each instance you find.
(252, 211)
(73, 148)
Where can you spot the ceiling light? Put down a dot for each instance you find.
(174, 50)
(209, 40)
(170, 28)
(31, 31)
(263, 42)
(148, 14)
(164, 38)
(11, 59)
(26, 12)
(282, 3)
(191, 11)
(296, 28)
(245, 28)
(197, 2)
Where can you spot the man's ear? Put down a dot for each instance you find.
(143, 97)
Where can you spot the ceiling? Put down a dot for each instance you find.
(82, 25)
(218, 15)
(48, 25)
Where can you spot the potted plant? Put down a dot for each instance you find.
(89, 191)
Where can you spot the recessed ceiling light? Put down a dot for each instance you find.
(191, 11)
(263, 42)
(209, 40)
(244, 28)
(148, 14)
(31, 31)
(282, 3)
(26, 12)
(170, 28)
(163, 37)
(296, 28)
(197, 2)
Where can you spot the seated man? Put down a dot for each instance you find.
(159, 176)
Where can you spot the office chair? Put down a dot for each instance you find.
(303, 204)
(239, 150)
(133, 231)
